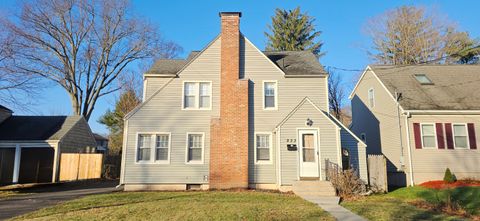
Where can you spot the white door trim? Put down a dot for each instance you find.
(315, 131)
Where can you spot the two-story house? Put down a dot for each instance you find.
(422, 118)
(232, 116)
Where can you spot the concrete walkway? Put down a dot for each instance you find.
(330, 204)
(47, 196)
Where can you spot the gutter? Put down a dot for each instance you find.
(445, 112)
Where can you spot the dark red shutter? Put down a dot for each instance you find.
(440, 136)
(471, 136)
(448, 133)
(416, 133)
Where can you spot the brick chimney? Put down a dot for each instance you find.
(229, 133)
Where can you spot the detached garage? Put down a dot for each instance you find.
(31, 146)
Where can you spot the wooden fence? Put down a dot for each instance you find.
(377, 173)
(80, 166)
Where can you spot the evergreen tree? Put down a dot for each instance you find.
(293, 30)
(114, 119)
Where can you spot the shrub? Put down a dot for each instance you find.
(449, 177)
(347, 183)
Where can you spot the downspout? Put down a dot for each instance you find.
(124, 153)
(407, 131)
(402, 160)
(279, 165)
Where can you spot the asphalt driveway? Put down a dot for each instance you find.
(45, 196)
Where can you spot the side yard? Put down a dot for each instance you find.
(209, 205)
(414, 203)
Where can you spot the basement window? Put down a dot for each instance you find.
(423, 79)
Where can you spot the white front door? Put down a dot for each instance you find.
(308, 145)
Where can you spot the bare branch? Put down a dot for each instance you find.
(82, 45)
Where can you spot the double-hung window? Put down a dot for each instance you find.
(263, 146)
(428, 136)
(270, 95)
(195, 145)
(460, 136)
(153, 147)
(197, 95)
(162, 144)
(144, 147)
(371, 97)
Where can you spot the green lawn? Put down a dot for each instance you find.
(215, 205)
(397, 205)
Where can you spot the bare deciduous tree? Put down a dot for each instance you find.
(336, 95)
(412, 35)
(14, 87)
(82, 45)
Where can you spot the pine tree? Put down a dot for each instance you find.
(114, 119)
(293, 30)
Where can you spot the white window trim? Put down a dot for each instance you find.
(196, 108)
(276, 95)
(373, 97)
(153, 140)
(364, 135)
(434, 132)
(453, 136)
(269, 161)
(203, 148)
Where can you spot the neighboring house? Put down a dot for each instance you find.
(31, 146)
(102, 143)
(423, 118)
(232, 116)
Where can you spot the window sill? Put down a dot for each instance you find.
(194, 163)
(263, 162)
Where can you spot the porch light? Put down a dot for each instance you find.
(309, 122)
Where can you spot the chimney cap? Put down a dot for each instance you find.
(239, 14)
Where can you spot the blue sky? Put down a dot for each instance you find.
(192, 24)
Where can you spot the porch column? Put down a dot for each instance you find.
(16, 165)
(56, 163)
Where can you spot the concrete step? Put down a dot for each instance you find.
(313, 188)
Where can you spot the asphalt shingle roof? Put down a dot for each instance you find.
(290, 62)
(36, 127)
(455, 87)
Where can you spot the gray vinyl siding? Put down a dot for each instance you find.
(152, 84)
(163, 113)
(327, 135)
(79, 139)
(291, 91)
(358, 156)
(430, 164)
(380, 123)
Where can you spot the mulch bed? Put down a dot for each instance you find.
(440, 184)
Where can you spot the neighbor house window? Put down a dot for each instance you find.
(144, 147)
(263, 147)
(460, 135)
(197, 95)
(195, 145)
(428, 136)
(162, 145)
(371, 97)
(363, 136)
(270, 95)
